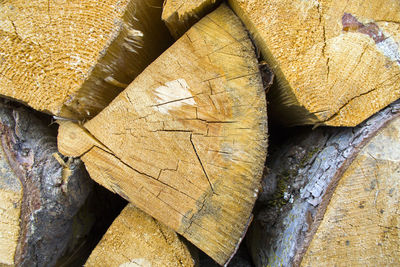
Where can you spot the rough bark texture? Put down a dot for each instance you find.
(52, 191)
(71, 58)
(304, 174)
(186, 141)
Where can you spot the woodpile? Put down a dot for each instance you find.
(165, 104)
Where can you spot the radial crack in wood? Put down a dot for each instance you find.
(71, 59)
(337, 198)
(336, 62)
(135, 238)
(186, 141)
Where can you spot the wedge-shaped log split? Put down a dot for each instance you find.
(186, 141)
(71, 58)
(136, 239)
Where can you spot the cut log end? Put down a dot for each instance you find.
(327, 70)
(336, 198)
(135, 238)
(189, 136)
(72, 59)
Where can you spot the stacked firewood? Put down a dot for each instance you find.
(165, 104)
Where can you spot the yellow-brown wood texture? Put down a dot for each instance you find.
(180, 15)
(136, 239)
(361, 226)
(336, 62)
(71, 58)
(10, 210)
(186, 141)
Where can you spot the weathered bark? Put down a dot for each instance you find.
(186, 141)
(136, 238)
(72, 58)
(40, 194)
(180, 15)
(332, 59)
(336, 198)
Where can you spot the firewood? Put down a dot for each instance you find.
(186, 141)
(336, 62)
(72, 58)
(337, 198)
(136, 238)
(40, 193)
(180, 15)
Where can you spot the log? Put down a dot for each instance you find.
(332, 59)
(180, 15)
(71, 59)
(336, 198)
(40, 193)
(135, 238)
(186, 141)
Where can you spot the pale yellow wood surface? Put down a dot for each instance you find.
(71, 58)
(136, 239)
(361, 226)
(10, 210)
(180, 15)
(186, 141)
(336, 62)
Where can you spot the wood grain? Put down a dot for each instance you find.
(335, 201)
(186, 141)
(135, 238)
(71, 58)
(336, 62)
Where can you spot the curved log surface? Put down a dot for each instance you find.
(40, 194)
(336, 198)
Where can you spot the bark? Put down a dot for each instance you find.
(51, 191)
(305, 173)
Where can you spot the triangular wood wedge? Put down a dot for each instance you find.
(136, 239)
(336, 62)
(337, 198)
(186, 141)
(180, 15)
(71, 58)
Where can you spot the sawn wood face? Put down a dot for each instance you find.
(186, 141)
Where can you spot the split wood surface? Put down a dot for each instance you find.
(40, 194)
(337, 198)
(336, 62)
(180, 15)
(136, 239)
(186, 141)
(72, 58)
